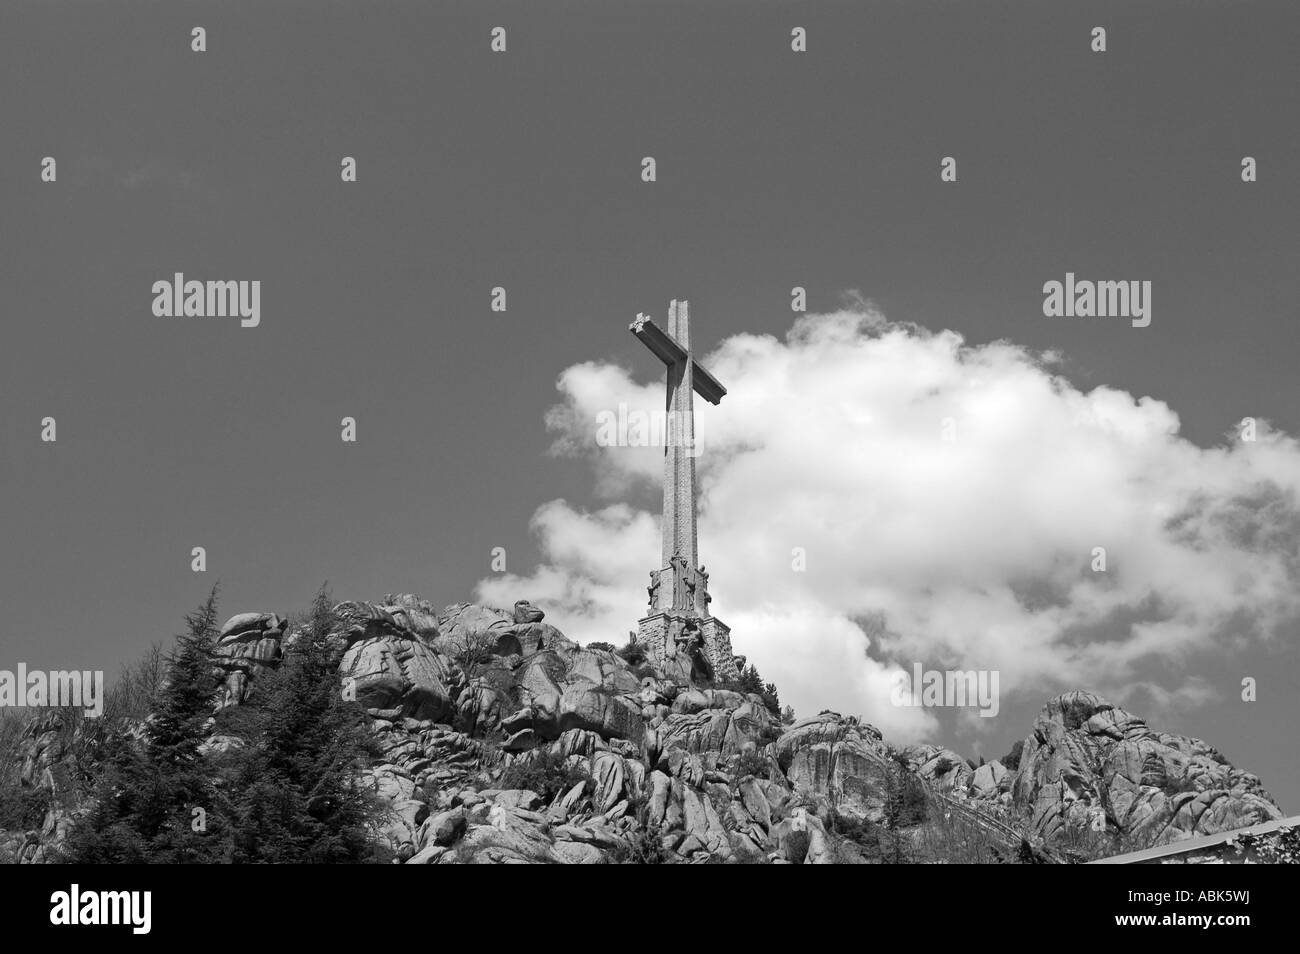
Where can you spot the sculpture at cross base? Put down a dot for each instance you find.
(678, 591)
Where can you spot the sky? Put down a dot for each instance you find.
(774, 169)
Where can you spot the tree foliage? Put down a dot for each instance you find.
(153, 801)
(1012, 759)
(289, 791)
(295, 791)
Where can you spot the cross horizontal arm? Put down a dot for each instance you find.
(706, 385)
(663, 344)
(668, 351)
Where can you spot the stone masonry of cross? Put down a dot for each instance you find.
(679, 632)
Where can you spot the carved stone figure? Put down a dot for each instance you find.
(702, 597)
(683, 585)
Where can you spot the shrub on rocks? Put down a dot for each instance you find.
(633, 654)
(549, 775)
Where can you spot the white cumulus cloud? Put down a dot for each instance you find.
(968, 553)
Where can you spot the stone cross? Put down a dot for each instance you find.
(685, 377)
(679, 590)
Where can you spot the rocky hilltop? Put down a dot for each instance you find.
(502, 740)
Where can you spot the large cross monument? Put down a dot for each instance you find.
(678, 618)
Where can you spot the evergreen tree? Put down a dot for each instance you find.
(771, 699)
(750, 680)
(150, 796)
(905, 805)
(298, 799)
(176, 725)
(1012, 759)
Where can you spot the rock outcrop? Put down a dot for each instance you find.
(247, 646)
(1089, 764)
(395, 677)
(500, 740)
(838, 762)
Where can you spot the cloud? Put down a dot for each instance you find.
(970, 553)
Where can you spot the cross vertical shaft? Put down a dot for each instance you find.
(679, 533)
(679, 631)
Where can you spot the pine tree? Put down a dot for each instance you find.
(175, 728)
(904, 805)
(149, 795)
(750, 680)
(299, 799)
(771, 699)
